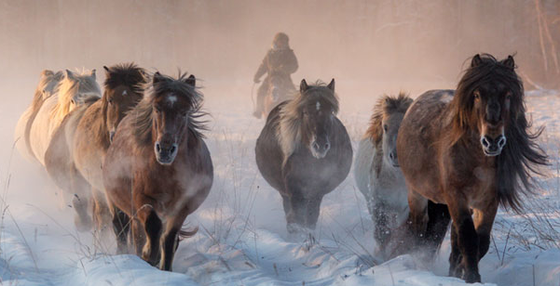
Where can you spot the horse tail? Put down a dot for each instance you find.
(362, 166)
(186, 233)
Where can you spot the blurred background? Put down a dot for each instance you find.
(363, 40)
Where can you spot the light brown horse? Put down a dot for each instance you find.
(468, 149)
(158, 169)
(123, 90)
(47, 83)
(59, 163)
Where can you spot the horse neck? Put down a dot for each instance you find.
(100, 124)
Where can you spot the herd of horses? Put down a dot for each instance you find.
(134, 157)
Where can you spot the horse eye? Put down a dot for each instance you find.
(508, 95)
(110, 101)
(157, 109)
(73, 101)
(476, 95)
(385, 127)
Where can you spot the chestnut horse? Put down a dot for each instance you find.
(304, 152)
(376, 168)
(468, 149)
(158, 169)
(123, 90)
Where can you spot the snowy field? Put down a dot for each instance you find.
(242, 238)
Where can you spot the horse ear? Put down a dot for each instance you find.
(47, 73)
(157, 78)
(331, 85)
(70, 74)
(106, 68)
(303, 86)
(92, 74)
(509, 62)
(476, 60)
(191, 80)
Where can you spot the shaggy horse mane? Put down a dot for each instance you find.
(128, 74)
(385, 106)
(83, 82)
(521, 157)
(143, 112)
(291, 114)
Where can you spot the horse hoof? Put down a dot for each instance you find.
(472, 277)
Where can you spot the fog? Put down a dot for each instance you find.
(369, 47)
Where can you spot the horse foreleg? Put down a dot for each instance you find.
(381, 221)
(121, 227)
(418, 216)
(102, 215)
(483, 221)
(438, 221)
(467, 238)
(152, 227)
(138, 236)
(455, 257)
(169, 240)
(313, 209)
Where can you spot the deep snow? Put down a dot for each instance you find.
(242, 238)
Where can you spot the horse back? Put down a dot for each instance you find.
(418, 141)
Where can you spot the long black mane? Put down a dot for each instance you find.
(521, 156)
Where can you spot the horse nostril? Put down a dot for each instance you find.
(158, 147)
(484, 142)
(327, 146)
(502, 141)
(315, 146)
(172, 150)
(392, 155)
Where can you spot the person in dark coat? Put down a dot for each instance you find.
(279, 61)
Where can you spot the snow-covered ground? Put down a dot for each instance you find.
(242, 238)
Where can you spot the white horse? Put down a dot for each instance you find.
(376, 168)
(47, 83)
(70, 92)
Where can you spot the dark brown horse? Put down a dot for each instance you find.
(468, 149)
(123, 90)
(304, 152)
(158, 169)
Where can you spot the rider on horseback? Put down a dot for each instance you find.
(280, 61)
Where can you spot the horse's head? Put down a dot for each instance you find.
(386, 121)
(123, 90)
(175, 100)
(79, 88)
(318, 114)
(492, 92)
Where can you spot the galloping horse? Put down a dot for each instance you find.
(469, 149)
(376, 168)
(47, 83)
(123, 90)
(158, 169)
(70, 92)
(304, 152)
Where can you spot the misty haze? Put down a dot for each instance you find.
(273, 127)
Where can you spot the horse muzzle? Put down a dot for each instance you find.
(492, 146)
(394, 159)
(165, 153)
(320, 150)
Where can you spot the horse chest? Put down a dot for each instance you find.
(483, 188)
